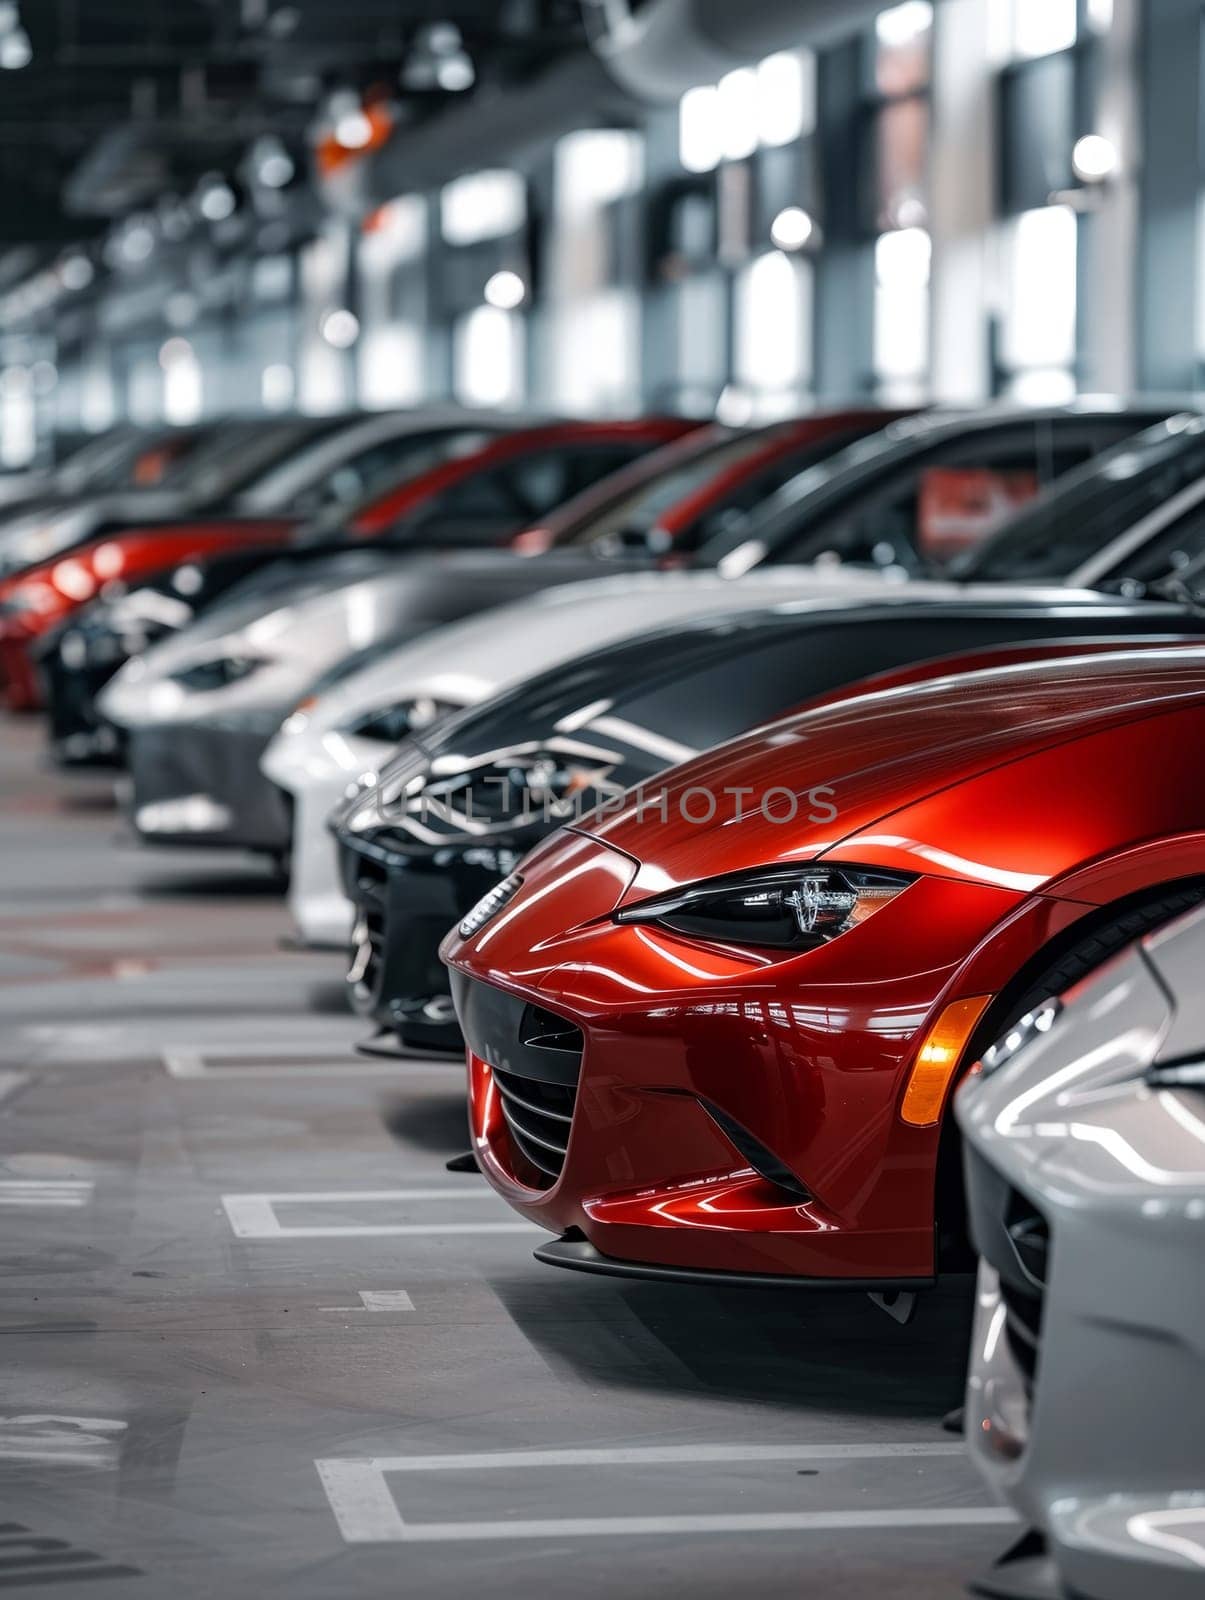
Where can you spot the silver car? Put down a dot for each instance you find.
(1084, 1131)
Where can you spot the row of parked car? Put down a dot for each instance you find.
(800, 828)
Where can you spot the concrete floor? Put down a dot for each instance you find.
(259, 1341)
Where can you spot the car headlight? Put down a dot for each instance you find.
(783, 908)
(1022, 1034)
(203, 677)
(489, 905)
(367, 801)
(392, 724)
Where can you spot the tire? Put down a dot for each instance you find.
(1084, 948)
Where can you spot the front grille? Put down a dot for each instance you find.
(1024, 1293)
(539, 1112)
(545, 783)
(368, 936)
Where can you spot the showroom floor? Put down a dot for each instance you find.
(260, 1341)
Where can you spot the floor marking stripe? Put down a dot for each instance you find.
(745, 1522)
(367, 1513)
(253, 1216)
(376, 1300)
(386, 1300)
(664, 1455)
(69, 1192)
(191, 1065)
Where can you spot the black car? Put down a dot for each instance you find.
(926, 493)
(465, 799)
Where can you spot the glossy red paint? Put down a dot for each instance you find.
(1008, 792)
(410, 496)
(42, 597)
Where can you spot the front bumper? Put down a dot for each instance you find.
(723, 1116)
(401, 911)
(78, 734)
(198, 785)
(19, 675)
(1084, 1399)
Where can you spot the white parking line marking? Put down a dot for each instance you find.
(193, 1064)
(377, 1300)
(253, 1216)
(367, 1513)
(386, 1300)
(54, 1440)
(70, 1192)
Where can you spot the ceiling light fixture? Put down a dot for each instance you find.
(792, 228)
(1095, 158)
(341, 328)
(505, 291)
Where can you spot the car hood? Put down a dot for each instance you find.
(482, 654)
(470, 660)
(795, 789)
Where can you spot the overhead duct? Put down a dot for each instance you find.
(659, 49)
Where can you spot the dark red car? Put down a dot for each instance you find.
(715, 1033)
(674, 500)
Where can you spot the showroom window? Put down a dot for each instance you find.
(1038, 346)
(593, 302)
(392, 304)
(1039, 239)
(895, 189)
(1027, 29)
(487, 357)
(482, 205)
(902, 262)
(482, 285)
(771, 104)
(183, 388)
(772, 357)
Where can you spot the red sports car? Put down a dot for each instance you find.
(714, 1033)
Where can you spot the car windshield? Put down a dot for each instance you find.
(1094, 506)
(355, 486)
(632, 519)
(775, 530)
(924, 495)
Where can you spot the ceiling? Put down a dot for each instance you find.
(126, 102)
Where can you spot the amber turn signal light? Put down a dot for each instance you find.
(938, 1060)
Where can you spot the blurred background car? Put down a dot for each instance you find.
(199, 708)
(1086, 1186)
(690, 487)
(351, 486)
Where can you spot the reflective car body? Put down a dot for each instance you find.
(929, 492)
(718, 1103)
(346, 734)
(298, 470)
(1084, 1135)
(199, 708)
(481, 790)
(674, 501)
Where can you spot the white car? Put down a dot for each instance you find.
(1085, 1146)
